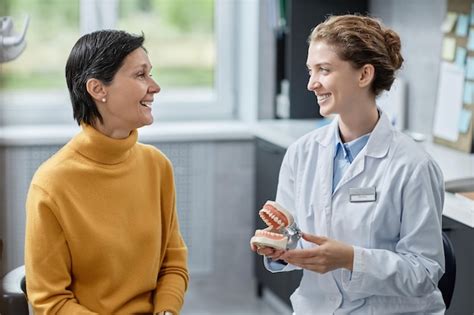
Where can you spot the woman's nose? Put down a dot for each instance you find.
(154, 87)
(313, 84)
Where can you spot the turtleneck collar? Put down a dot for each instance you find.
(98, 147)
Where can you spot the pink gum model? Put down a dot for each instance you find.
(277, 219)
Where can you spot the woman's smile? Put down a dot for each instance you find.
(323, 97)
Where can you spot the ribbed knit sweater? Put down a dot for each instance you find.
(102, 234)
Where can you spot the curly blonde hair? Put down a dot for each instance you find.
(363, 40)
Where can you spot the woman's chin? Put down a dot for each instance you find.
(148, 122)
(324, 111)
(148, 118)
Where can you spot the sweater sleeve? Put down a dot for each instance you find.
(47, 259)
(173, 276)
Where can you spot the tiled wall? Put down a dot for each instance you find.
(215, 189)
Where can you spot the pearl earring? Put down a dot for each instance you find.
(104, 100)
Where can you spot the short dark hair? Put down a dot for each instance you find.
(97, 55)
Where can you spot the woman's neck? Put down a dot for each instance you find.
(357, 123)
(111, 132)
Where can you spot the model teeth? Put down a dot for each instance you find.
(268, 233)
(146, 104)
(274, 235)
(272, 219)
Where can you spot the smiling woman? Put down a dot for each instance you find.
(370, 244)
(126, 103)
(114, 93)
(88, 223)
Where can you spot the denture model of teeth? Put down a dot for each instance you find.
(277, 219)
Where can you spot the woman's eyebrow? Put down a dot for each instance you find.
(318, 64)
(143, 66)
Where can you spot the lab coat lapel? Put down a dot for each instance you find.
(353, 170)
(324, 191)
(325, 171)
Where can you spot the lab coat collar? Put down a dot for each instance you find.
(381, 137)
(327, 138)
(379, 140)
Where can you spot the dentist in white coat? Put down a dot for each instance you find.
(367, 197)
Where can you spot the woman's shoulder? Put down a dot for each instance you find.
(149, 151)
(412, 156)
(55, 167)
(406, 147)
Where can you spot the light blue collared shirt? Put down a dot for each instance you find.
(344, 154)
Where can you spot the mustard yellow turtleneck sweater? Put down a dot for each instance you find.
(102, 234)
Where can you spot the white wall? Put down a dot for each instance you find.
(418, 23)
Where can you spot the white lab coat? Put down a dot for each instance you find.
(398, 247)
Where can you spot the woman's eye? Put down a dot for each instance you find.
(323, 70)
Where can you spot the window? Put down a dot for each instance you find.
(185, 40)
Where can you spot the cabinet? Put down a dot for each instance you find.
(462, 237)
(268, 162)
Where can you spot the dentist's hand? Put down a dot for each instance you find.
(269, 252)
(327, 256)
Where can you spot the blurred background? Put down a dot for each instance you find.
(233, 79)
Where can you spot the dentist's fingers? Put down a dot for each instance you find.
(330, 255)
(269, 252)
(316, 239)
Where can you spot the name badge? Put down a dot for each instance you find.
(362, 194)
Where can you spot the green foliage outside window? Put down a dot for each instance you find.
(179, 36)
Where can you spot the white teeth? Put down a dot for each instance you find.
(147, 104)
(271, 219)
(323, 97)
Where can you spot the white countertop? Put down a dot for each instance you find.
(158, 132)
(458, 209)
(454, 164)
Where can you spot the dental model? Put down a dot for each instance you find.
(281, 233)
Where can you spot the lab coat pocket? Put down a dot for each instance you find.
(309, 220)
(314, 220)
(351, 222)
(307, 226)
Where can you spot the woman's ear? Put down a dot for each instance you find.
(367, 75)
(97, 90)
